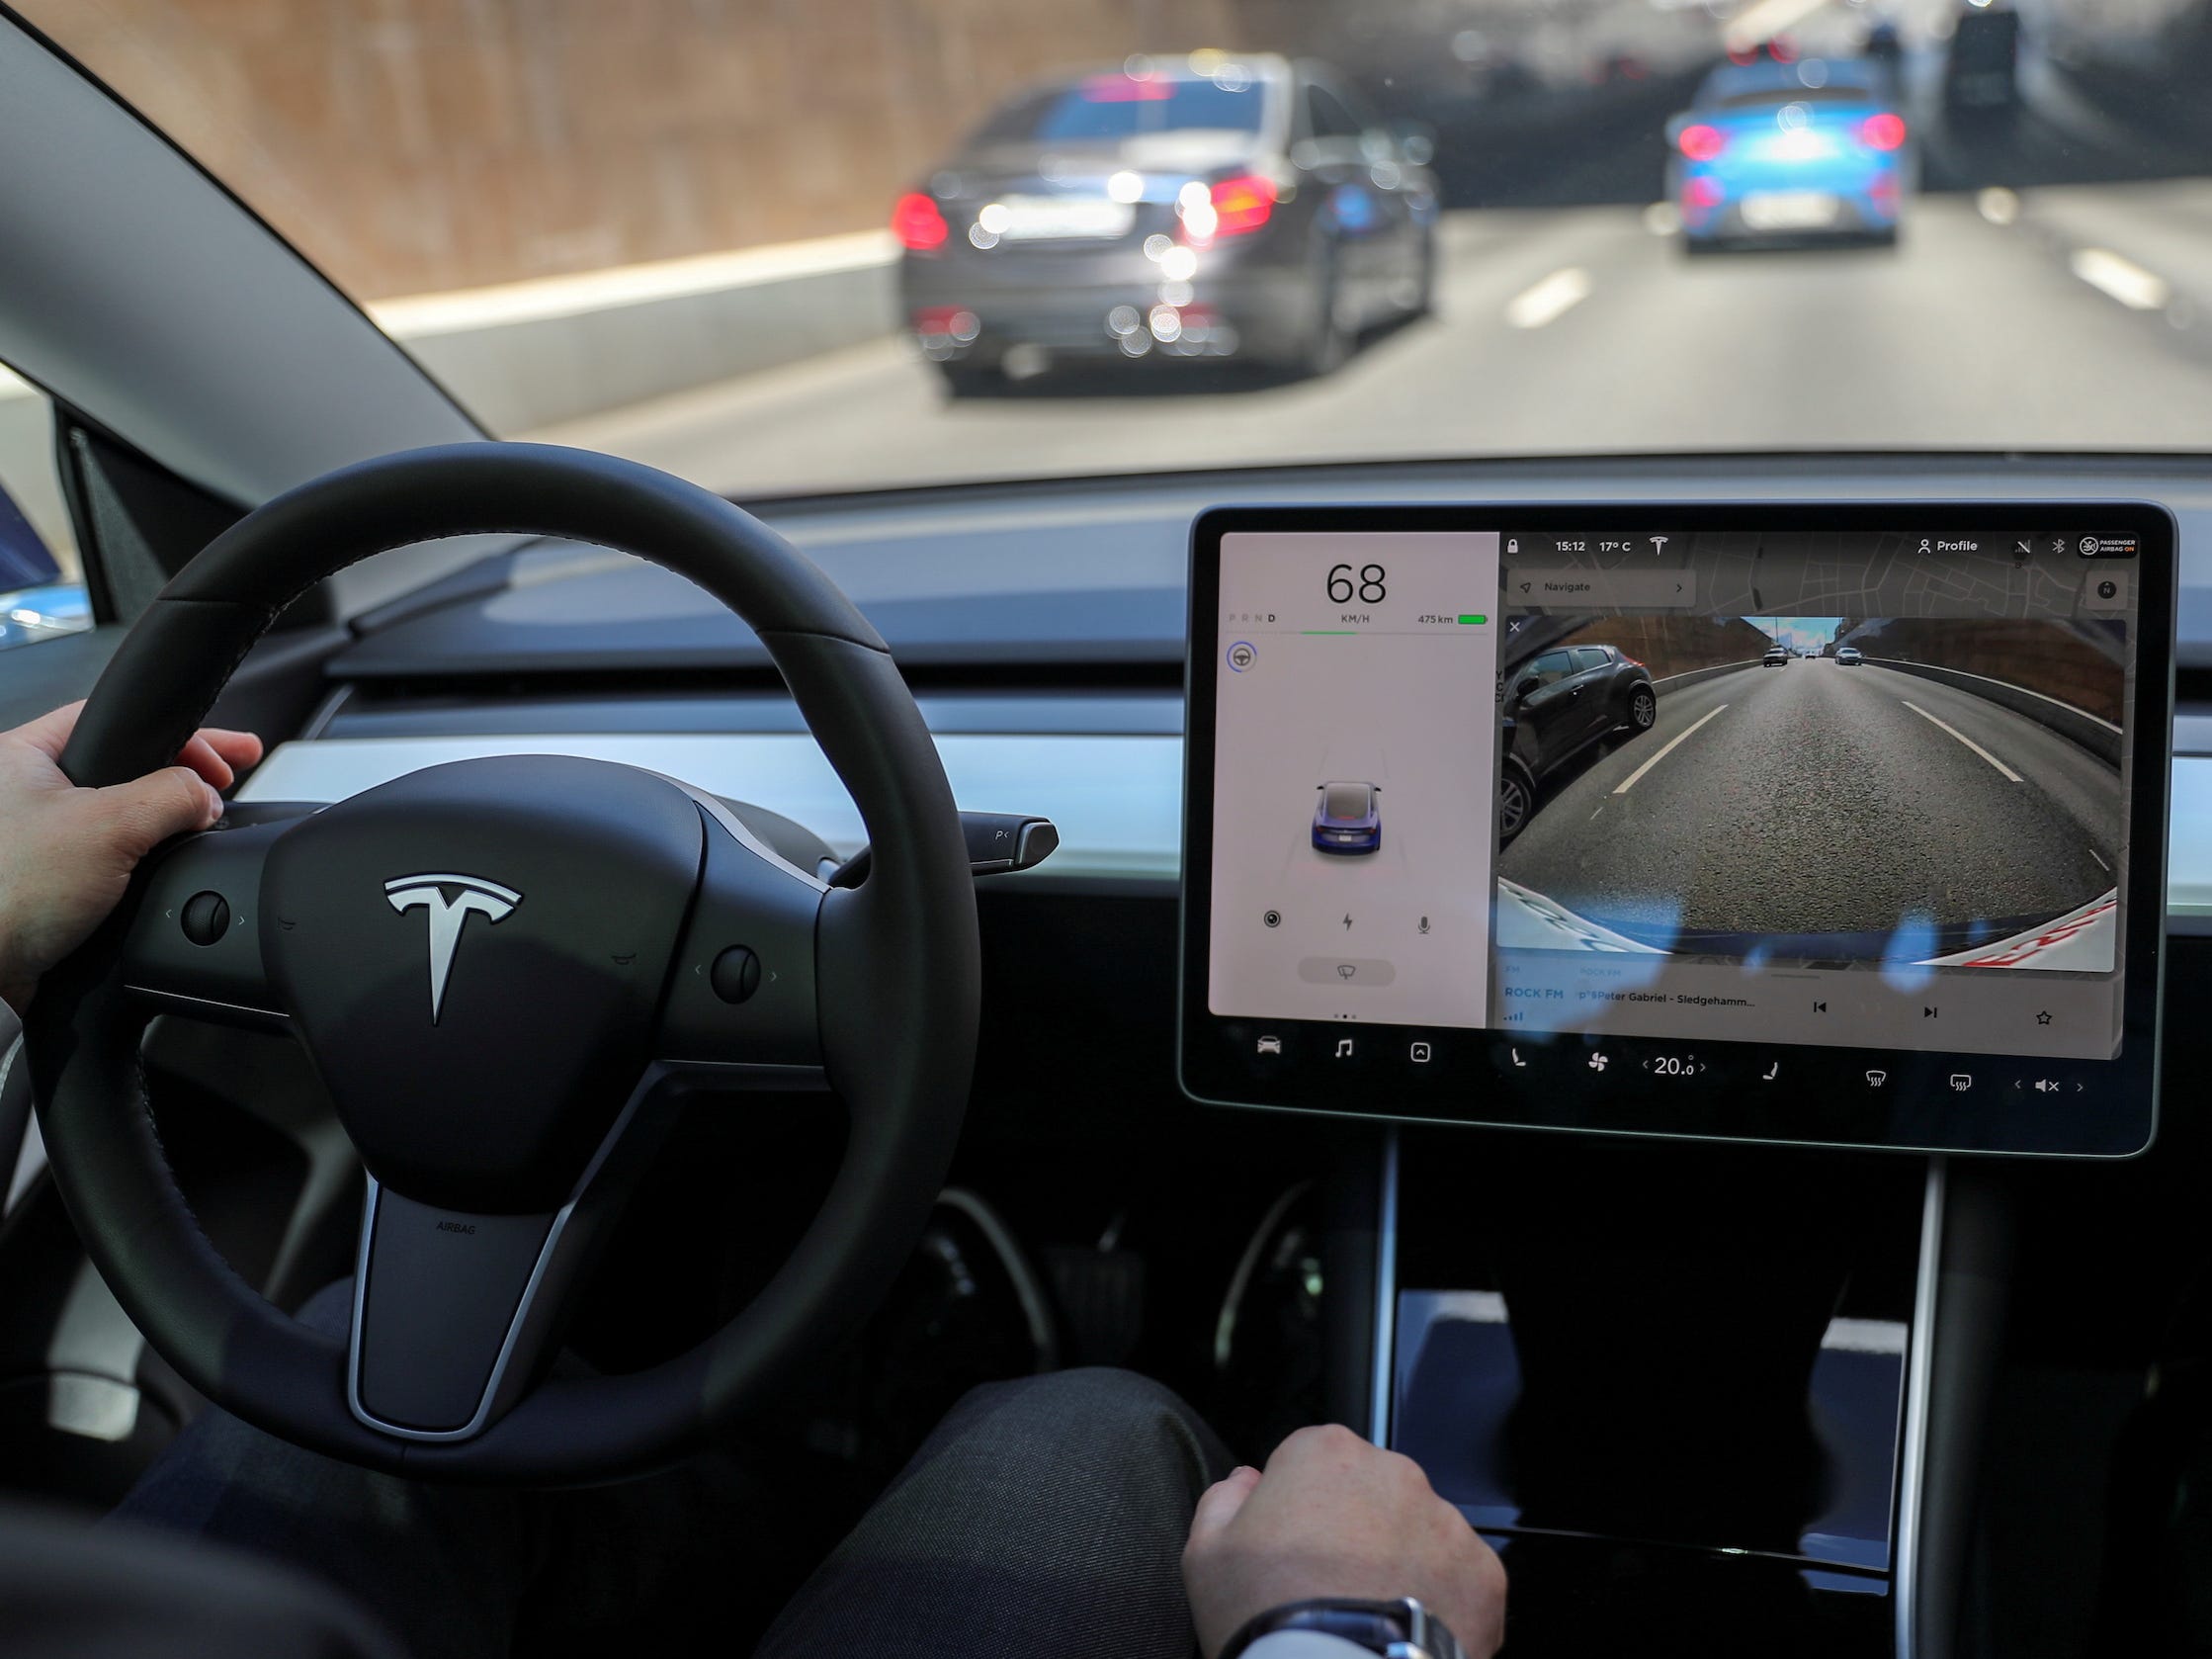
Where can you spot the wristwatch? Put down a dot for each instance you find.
(1400, 1630)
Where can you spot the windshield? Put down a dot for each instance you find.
(798, 249)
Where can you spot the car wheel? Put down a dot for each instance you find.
(1516, 800)
(971, 380)
(1425, 293)
(1643, 708)
(1328, 342)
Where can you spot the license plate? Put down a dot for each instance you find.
(1064, 218)
(1789, 210)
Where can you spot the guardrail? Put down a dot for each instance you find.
(2099, 736)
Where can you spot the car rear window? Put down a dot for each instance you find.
(1118, 106)
(1348, 799)
(1773, 97)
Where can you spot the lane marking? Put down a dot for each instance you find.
(2100, 857)
(1549, 299)
(1630, 782)
(1964, 739)
(2120, 279)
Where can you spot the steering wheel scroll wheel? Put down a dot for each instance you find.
(505, 970)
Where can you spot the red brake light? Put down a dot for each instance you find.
(1883, 132)
(1702, 142)
(1243, 203)
(917, 223)
(1125, 89)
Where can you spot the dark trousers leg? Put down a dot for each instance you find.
(443, 1568)
(1044, 1516)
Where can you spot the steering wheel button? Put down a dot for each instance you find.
(206, 918)
(735, 974)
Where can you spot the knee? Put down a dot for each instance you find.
(1105, 1405)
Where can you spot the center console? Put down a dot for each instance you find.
(1705, 834)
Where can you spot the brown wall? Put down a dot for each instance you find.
(415, 146)
(1676, 644)
(2039, 656)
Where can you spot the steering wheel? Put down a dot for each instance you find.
(507, 970)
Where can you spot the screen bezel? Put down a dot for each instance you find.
(2113, 1115)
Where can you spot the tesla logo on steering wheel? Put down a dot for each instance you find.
(449, 899)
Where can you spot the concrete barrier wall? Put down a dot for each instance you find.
(2099, 736)
(527, 355)
(1681, 682)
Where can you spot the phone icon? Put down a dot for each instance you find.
(1518, 1063)
(1770, 1074)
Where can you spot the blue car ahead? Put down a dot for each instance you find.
(1348, 818)
(1788, 152)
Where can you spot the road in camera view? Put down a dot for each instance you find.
(1823, 799)
(2058, 313)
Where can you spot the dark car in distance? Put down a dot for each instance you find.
(1349, 818)
(1216, 207)
(1556, 704)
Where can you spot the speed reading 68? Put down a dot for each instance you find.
(1366, 587)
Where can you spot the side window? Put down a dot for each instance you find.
(1587, 657)
(42, 587)
(1551, 667)
(1327, 118)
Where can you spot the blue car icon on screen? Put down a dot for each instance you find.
(1349, 818)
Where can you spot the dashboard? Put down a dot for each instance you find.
(1042, 629)
(1620, 818)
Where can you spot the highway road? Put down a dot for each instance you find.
(2065, 320)
(1823, 799)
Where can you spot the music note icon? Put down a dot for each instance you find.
(1343, 1048)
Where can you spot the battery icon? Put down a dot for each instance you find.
(1473, 619)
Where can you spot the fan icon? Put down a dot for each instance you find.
(1597, 1061)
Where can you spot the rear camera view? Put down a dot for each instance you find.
(1923, 790)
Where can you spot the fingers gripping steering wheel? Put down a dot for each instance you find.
(503, 969)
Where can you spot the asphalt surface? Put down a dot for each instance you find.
(1971, 334)
(1821, 798)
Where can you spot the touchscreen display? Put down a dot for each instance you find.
(1827, 816)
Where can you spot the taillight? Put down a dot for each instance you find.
(1883, 132)
(1701, 193)
(1233, 207)
(917, 223)
(1702, 142)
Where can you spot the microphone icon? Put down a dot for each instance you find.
(1424, 923)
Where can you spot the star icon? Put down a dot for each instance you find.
(2043, 1017)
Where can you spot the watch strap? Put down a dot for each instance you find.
(1396, 1629)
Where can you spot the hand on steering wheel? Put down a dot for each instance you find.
(66, 853)
(505, 970)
